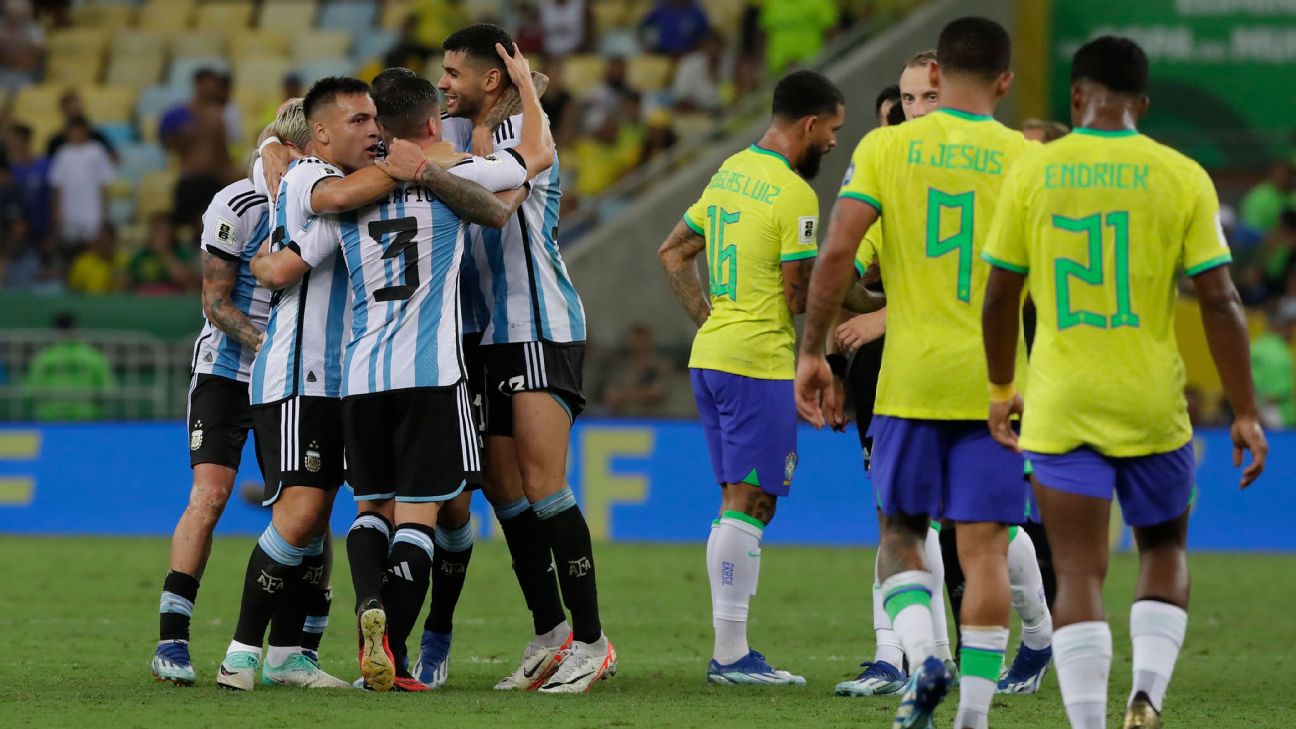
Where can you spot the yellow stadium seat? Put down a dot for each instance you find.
(583, 73)
(43, 130)
(312, 45)
(226, 16)
(109, 104)
(262, 74)
(139, 42)
(155, 193)
(103, 15)
(287, 14)
(78, 42)
(725, 15)
(165, 15)
(649, 73)
(608, 15)
(73, 70)
(691, 125)
(33, 103)
(135, 71)
(395, 12)
(257, 43)
(198, 44)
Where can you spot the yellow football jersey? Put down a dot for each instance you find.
(1101, 223)
(756, 214)
(871, 242)
(935, 181)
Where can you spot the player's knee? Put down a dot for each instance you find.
(905, 527)
(386, 508)
(455, 513)
(750, 500)
(207, 501)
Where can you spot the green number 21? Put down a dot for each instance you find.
(1092, 273)
(961, 241)
(722, 263)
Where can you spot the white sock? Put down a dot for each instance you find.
(1157, 631)
(1082, 653)
(983, 655)
(1028, 592)
(277, 654)
(734, 569)
(237, 647)
(710, 550)
(936, 564)
(888, 643)
(907, 598)
(555, 637)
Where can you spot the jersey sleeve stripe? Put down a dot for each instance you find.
(859, 268)
(798, 256)
(1014, 268)
(864, 199)
(517, 157)
(222, 254)
(693, 227)
(1223, 260)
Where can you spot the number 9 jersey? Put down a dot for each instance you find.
(755, 214)
(935, 182)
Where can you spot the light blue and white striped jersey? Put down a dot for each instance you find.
(234, 226)
(302, 352)
(524, 286)
(404, 257)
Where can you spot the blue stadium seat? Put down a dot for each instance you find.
(155, 100)
(352, 15)
(119, 134)
(312, 71)
(182, 70)
(139, 159)
(372, 44)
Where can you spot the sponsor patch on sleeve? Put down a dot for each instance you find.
(806, 225)
(224, 230)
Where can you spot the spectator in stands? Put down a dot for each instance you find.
(659, 136)
(80, 175)
(436, 19)
(30, 180)
(1044, 131)
(68, 380)
(528, 34)
(410, 50)
(559, 104)
(1272, 368)
(99, 268)
(162, 266)
(292, 89)
(637, 375)
(609, 96)
(795, 31)
(24, 265)
(704, 78)
(604, 156)
(196, 132)
(1266, 201)
(72, 108)
(22, 45)
(567, 26)
(1277, 260)
(675, 27)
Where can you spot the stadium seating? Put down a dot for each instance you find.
(261, 43)
(280, 14)
(347, 15)
(311, 45)
(165, 14)
(228, 15)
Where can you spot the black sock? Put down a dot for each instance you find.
(532, 565)
(316, 569)
(569, 537)
(179, 593)
(954, 580)
(267, 582)
(409, 569)
(367, 545)
(289, 617)
(449, 570)
(1043, 556)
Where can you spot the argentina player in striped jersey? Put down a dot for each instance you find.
(235, 310)
(533, 347)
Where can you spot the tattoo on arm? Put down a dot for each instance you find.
(470, 201)
(219, 279)
(509, 104)
(678, 254)
(798, 287)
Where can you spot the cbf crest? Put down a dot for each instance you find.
(196, 436)
(789, 468)
(312, 460)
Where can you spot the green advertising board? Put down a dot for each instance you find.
(1223, 72)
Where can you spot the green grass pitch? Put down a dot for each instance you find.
(80, 620)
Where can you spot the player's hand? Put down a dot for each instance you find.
(813, 377)
(834, 405)
(443, 154)
(1001, 422)
(519, 70)
(260, 341)
(275, 159)
(1247, 435)
(860, 330)
(403, 160)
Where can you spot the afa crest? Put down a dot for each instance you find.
(312, 459)
(196, 436)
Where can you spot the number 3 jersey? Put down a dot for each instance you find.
(756, 214)
(1102, 223)
(935, 182)
(403, 256)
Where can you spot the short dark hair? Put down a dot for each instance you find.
(405, 104)
(205, 73)
(478, 41)
(22, 130)
(974, 46)
(1117, 63)
(385, 77)
(325, 90)
(890, 93)
(806, 93)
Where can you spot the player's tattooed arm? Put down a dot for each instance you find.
(470, 201)
(677, 256)
(796, 283)
(219, 278)
(510, 103)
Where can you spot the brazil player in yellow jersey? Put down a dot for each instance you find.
(933, 182)
(1099, 224)
(758, 221)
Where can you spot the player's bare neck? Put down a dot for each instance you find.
(973, 100)
(1109, 114)
(779, 139)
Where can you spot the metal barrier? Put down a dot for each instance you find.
(50, 375)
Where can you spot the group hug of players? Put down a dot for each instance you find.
(408, 325)
(971, 226)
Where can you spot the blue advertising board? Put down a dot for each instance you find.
(637, 480)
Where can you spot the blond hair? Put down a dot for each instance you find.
(918, 60)
(290, 123)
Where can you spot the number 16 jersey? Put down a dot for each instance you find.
(935, 181)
